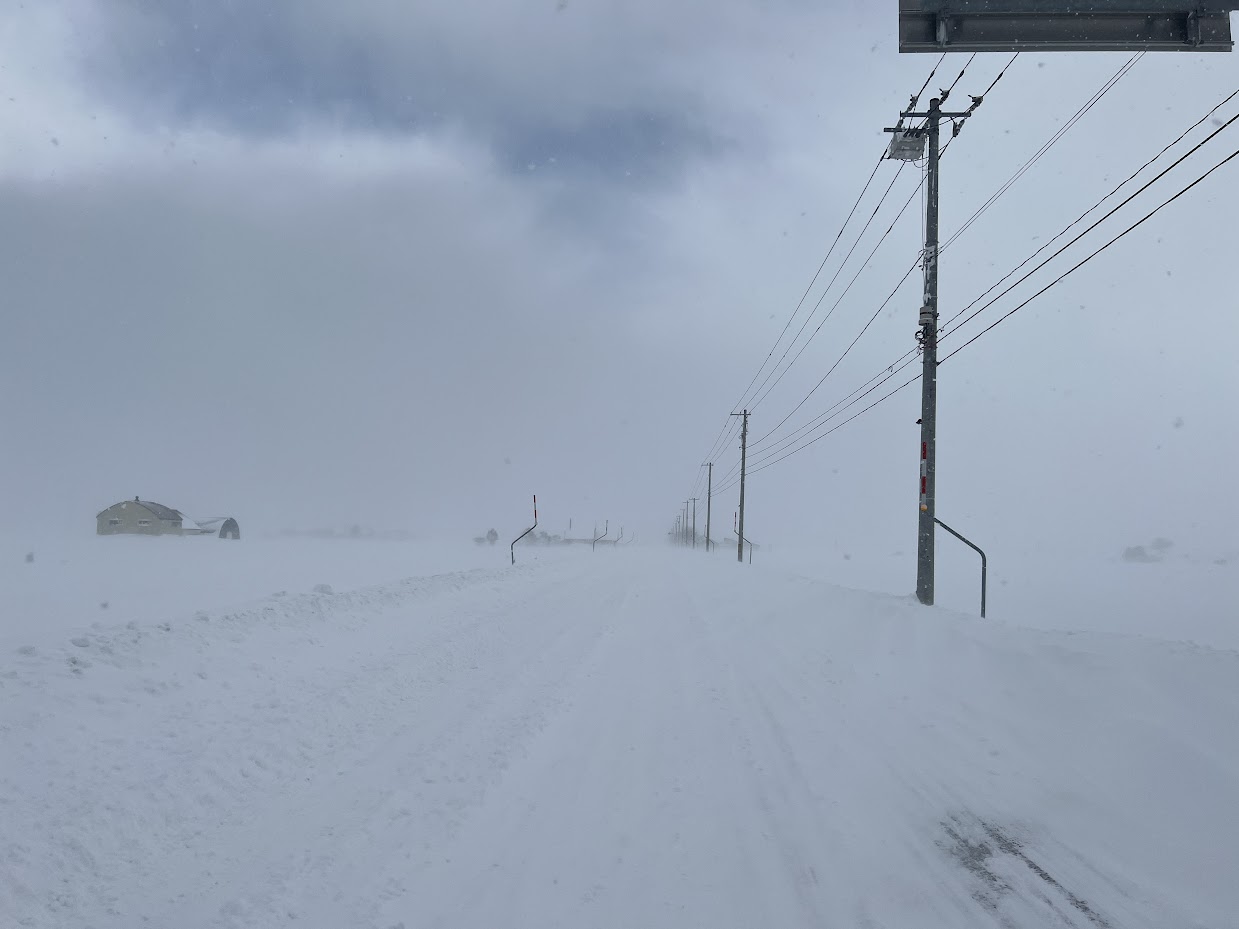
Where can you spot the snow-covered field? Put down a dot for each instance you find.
(632, 738)
(1192, 597)
(148, 580)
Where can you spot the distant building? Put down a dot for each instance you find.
(139, 517)
(143, 517)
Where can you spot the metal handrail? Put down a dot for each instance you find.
(605, 530)
(975, 548)
(527, 531)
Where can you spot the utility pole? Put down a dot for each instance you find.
(709, 496)
(694, 522)
(908, 145)
(685, 524)
(744, 445)
(929, 372)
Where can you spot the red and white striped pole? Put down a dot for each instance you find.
(924, 477)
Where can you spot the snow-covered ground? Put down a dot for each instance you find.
(632, 738)
(1187, 596)
(76, 581)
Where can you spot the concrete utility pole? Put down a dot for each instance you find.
(929, 372)
(907, 144)
(744, 446)
(694, 522)
(709, 495)
(972, 26)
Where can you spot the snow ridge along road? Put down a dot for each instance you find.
(635, 739)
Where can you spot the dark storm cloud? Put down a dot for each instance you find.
(267, 69)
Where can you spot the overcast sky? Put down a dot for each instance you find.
(404, 264)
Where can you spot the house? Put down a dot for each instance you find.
(139, 517)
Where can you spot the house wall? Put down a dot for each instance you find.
(130, 517)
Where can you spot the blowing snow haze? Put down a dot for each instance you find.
(347, 283)
(326, 264)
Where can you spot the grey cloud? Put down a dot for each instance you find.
(600, 93)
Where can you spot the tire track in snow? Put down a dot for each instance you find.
(418, 780)
(633, 809)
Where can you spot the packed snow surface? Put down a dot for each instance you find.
(620, 739)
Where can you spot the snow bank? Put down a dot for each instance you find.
(75, 582)
(1182, 598)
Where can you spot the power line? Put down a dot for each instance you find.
(946, 93)
(772, 455)
(836, 428)
(957, 127)
(719, 444)
(1040, 153)
(835, 306)
(845, 404)
(839, 360)
(917, 96)
(816, 306)
(994, 82)
(770, 461)
(976, 102)
(1086, 213)
(720, 440)
(733, 471)
(1129, 199)
(813, 281)
(842, 229)
(932, 72)
(1231, 157)
(723, 434)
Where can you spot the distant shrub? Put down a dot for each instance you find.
(1137, 554)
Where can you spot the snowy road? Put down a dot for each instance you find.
(629, 740)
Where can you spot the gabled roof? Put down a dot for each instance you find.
(157, 509)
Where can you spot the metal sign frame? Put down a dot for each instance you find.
(1065, 26)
